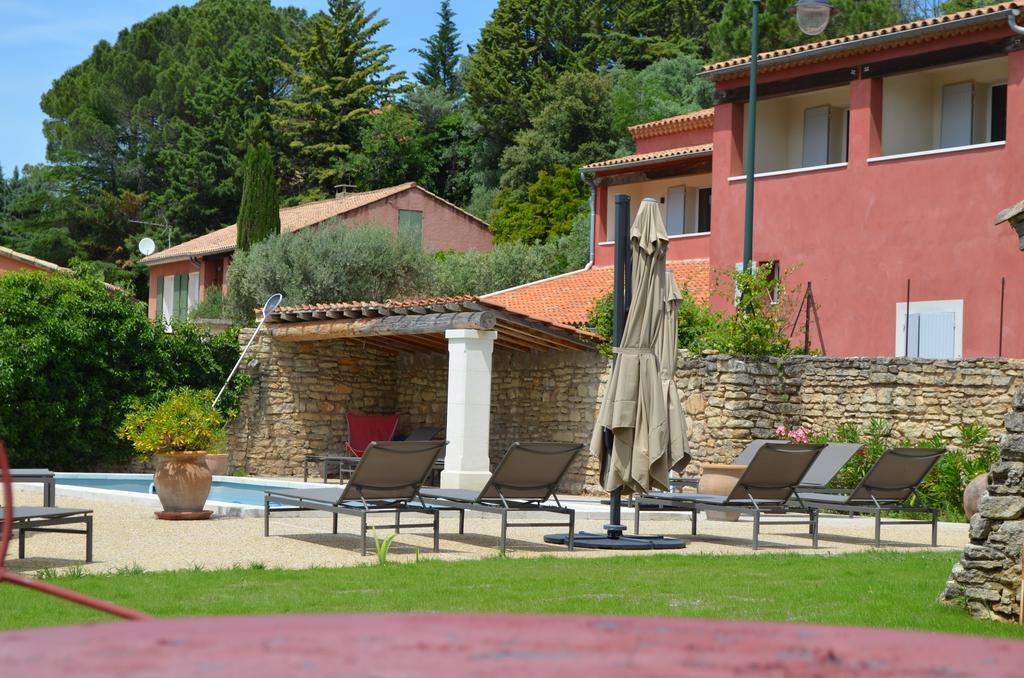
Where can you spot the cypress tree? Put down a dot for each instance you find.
(441, 55)
(258, 216)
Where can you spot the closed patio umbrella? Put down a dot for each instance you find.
(678, 455)
(646, 441)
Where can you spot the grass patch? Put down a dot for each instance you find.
(879, 589)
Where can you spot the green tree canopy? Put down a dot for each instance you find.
(259, 217)
(548, 210)
(665, 88)
(730, 37)
(73, 356)
(441, 55)
(575, 127)
(329, 263)
(339, 74)
(161, 112)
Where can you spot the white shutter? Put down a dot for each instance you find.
(168, 301)
(936, 336)
(816, 136)
(957, 115)
(193, 290)
(675, 209)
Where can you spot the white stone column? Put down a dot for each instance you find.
(467, 463)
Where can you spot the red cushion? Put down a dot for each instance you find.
(364, 429)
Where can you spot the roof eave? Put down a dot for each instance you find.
(896, 36)
(641, 163)
(156, 259)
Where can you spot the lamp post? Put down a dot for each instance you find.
(812, 16)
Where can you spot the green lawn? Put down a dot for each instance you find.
(883, 589)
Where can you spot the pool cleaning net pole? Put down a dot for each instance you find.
(271, 304)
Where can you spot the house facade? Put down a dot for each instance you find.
(881, 162)
(181, 275)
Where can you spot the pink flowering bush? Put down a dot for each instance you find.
(797, 435)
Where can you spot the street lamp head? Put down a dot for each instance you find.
(812, 16)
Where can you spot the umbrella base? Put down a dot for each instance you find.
(590, 540)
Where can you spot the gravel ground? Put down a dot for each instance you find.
(129, 535)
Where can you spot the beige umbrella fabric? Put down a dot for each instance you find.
(668, 345)
(635, 402)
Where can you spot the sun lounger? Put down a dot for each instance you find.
(744, 458)
(766, 487)
(526, 478)
(50, 519)
(887, 487)
(387, 480)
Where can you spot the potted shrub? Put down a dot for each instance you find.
(178, 430)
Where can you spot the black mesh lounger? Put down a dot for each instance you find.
(526, 477)
(387, 480)
(766, 487)
(50, 519)
(887, 487)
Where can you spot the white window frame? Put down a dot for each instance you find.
(954, 306)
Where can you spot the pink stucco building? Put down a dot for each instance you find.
(882, 160)
(180, 275)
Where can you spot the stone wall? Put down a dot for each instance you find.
(987, 580)
(729, 402)
(550, 395)
(302, 390)
(298, 400)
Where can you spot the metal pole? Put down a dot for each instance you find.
(1002, 300)
(621, 294)
(239, 361)
(906, 325)
(748, 223)
(807, 321)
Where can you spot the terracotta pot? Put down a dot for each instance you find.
(720, 479)
(182, 481)
(973, 493)
(217, 463)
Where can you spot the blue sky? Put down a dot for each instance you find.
(40, 39)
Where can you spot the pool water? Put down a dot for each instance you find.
(244, 491)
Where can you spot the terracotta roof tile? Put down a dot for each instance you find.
(292, 219)
(388, 304)
(450, 304)
(677, 123)
(568, 298)
(644, 158)
(853, 40)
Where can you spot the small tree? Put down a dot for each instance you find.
(258, 216)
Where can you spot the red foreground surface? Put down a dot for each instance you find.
(494, 645)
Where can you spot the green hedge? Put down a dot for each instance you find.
(74, 356)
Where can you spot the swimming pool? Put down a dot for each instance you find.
(226, 492)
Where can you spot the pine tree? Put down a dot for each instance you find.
(339, 74)
(258, 216)
(441, 55)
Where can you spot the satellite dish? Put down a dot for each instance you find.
(273, 302)
(147, 246)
